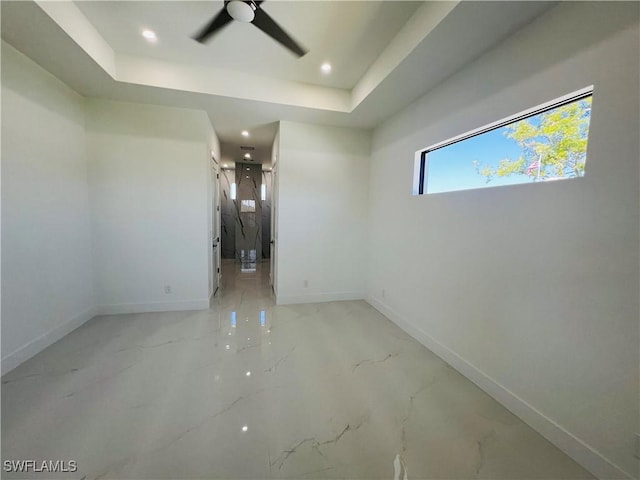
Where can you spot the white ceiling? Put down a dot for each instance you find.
(348, 34)
(384, 54)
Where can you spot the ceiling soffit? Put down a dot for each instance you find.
(211, 81)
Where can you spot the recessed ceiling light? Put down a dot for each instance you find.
(247, 155)
(326, 67)
(245, 133)
(248, 169)
(150, 35)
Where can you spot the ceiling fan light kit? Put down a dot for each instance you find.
(249, 11)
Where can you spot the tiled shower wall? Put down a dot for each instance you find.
(228, 214)
(266, 215)
(249, 212)
(244, 230)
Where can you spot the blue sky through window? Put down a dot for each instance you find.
(451, 167)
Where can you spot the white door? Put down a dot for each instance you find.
(273, 244)
(215, 227)
(217, 214)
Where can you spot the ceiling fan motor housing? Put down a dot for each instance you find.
(241, 11)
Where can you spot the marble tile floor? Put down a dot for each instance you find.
(250, 390)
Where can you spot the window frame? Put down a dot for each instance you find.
(422, 163)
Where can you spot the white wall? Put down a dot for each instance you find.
(99, 194)
(532, 290)
(46, 245)
(322, 199)
(149, 171)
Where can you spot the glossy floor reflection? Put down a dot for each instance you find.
(251, 390)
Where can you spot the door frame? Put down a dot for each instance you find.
(215, 227)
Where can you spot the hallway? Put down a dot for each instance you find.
(251, 390)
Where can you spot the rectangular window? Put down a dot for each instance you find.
(247, 206)
(545, 143)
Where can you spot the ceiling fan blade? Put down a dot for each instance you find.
(265, 23)
(216, 23)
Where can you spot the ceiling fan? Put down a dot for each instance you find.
(249, 11)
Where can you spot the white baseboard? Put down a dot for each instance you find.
(318, 298)
(32, 348)
(177, 306)
(581, 452)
